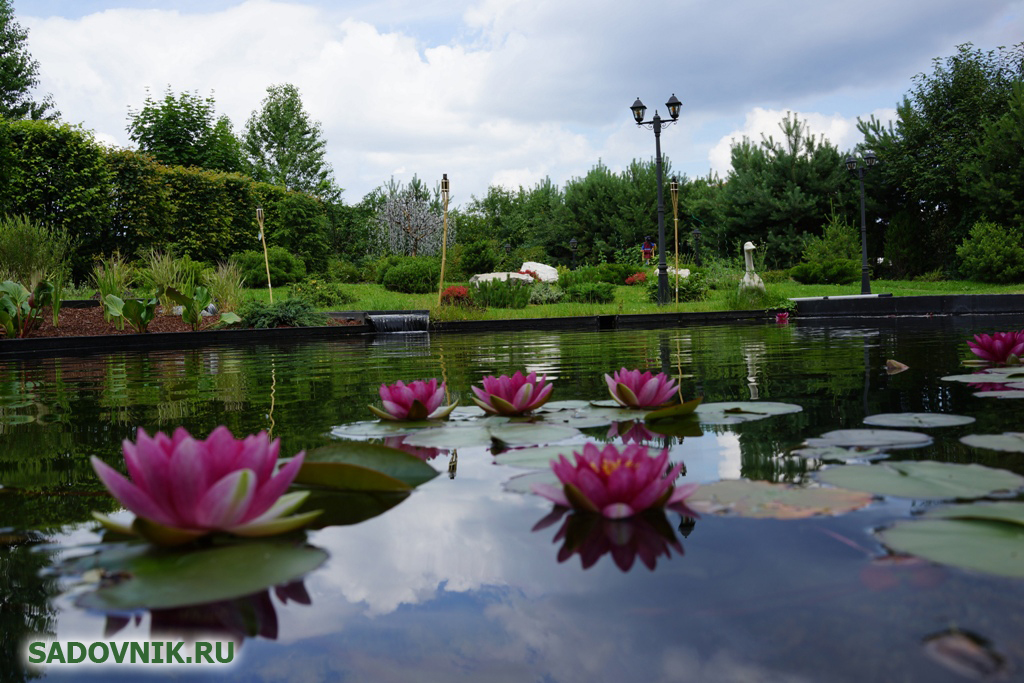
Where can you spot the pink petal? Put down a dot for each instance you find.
(592, 487)
(618, 511)
(541, 397)
(268, 493)
(190, 481)
(129, 495)
(395, 410)
(556, 494)
(522, 397)
(227, 501)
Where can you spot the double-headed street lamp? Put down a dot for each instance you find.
(851, 164)
(673, 105)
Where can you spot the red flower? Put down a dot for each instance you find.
(1002, 347)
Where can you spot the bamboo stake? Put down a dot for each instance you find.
(266, 258)
(444, 236)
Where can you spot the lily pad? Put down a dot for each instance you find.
(159, 579)
(922, 420)
(382, 429)
(1006, 393)
(839, 453)
(538, 458)
(993, 547)
(924, 480)
(524, 483)
(569, 404)
(451, 437)
(1011, 442)
(870, 438)
(531, 434)
(685, 426)
(735, 412)
(617, 413)
(973, 378)
(674, 412)
(1007, 511)
(779, 501)
(342, 508)
(346, 477)
(388, 461)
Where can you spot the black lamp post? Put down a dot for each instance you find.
(673, 105)
(851, 164)
(572, 245)
(696, 245)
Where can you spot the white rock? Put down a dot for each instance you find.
(487, 277)
(545, 273)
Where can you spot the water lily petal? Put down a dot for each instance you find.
(190, 480)
(556, 494)
(271, 490)
(128, 494)
(227, 501)
(278, 525)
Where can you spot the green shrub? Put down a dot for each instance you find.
(591, 293)
(839, 240)
(771, 277)
(510, 293)
(748, 299)
(991, 253)
(226, 284)
(285, 268)
(692, 288)
(343, 271)
(546, 293)
(478, 257)
(612, 273)
(932, 276)
(30, 252)
(191, 271)
(283, 313)
(833, 272)
(414, 275)
(383, 265)
(113, 275)
(322, 294)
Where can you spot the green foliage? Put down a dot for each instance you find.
(839, 240)
(991, 253)
(282, 313)
(284, 267)
(383, 265)
(417, 275)
(591, 293)
(113, 275)
(611, 273)
(226, 285)
(30, 252)
(997, 174)
(830, 272)
(692, 288)
(160, 273)
(477, 257)
(19, 310)
(19, 72)
(343, 271)
(510, 293)
(138, 313)
(322, 294)
(181, 130)
(193, 301)
(546, 293)
(748, 299)
(284, 147)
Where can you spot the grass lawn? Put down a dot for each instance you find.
(628, 300)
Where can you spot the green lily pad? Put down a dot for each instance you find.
(451, 437)
(674, 412)
(342, 508)
(1015, 385)
(839, 453)
(779, 501)
(606, 403)
(924, 480)
(524, 482)
(617, 413)
(923, 420)
(346, 477)
(685, 426)
(870, 438)
(1011, 442)
(973, 378)
(569, 404)
(577, 420)
(1006, 393)
(993, 547)
(466, 413)
(388, 461)
(537, 458)
(1007, 511)
(383, 429)
(159, 579)
(735, 412)
(1007, 372)
(531, 434)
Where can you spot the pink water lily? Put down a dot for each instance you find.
(633, 389)
(419, 400)
(182, 488)
(513, 395)
(782, 318)
(614, 483)
(1001, 347)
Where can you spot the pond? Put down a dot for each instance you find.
(467, 578)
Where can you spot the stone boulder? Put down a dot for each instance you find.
(545, 273)
(487, 277)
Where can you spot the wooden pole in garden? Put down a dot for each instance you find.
(675, 214)
(444, 236)
(266, 259)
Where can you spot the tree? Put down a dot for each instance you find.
(997, 175)
(410, 223)
(19, 73)
(181, 130)
(285, 148)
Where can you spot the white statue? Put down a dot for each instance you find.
(751, 280)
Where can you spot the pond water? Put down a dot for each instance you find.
(461, 580)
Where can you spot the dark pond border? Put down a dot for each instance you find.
(1008, 308)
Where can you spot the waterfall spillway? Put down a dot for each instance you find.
(399, 322)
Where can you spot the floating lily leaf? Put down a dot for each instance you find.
(346, 477)
(451, 437)
(839, 453)
(342, 508)
(988, 546)
(538, 458)
(383, 429)
(974, 378)
(780, 501)
(577, 420)
(1007, 372)
(159, 579)
(530, 434)
(606, 403)
(926, 479)
(388, 461)
(870, 438)
(1012, 442)
(917, 420)
(524, 482)
(466, 412)
(1007, 511)
(673, 412)
(685, 426)
(734, 412)
(617, 413)
(555, 406)
(1015, 385)
(1007, 393)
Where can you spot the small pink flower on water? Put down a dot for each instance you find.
(782, 318)
(182, 488)
(513, 395)
(1001, 347)
(632, 389)
(419, 400)
(614, 483)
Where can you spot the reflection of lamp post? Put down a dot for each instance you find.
(572, 245)
(444, 236)
(656, 124)
(674, 191)
(851, 164)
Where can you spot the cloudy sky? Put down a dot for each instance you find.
(507, 91)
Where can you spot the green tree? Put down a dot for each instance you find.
(19, 73)
(997, 174)
(181, 130)
(284, 147)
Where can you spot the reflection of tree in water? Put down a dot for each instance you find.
(24, 600)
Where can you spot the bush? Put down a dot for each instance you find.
(283, 313)
(510, 293)
(382, 266)
(638, 278)
(414, 275)
(226, 286)
(284, 267)
(456, 295)
(833, 272)
(991, 253)
(839, 241)
(612, 273)
(343, 271)
(30, 252)
(692, 288)
(322, 294)
(478, 257)
(546, 293)
(591, 293)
